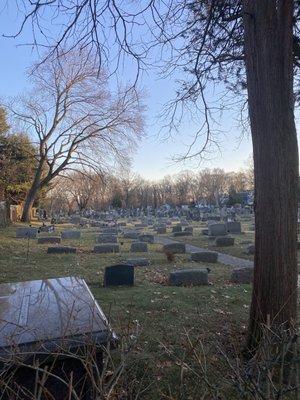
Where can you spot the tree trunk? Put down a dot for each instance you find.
(269, 69)
(32, 193)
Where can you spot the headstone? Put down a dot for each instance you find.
(138, 262)
(26, 232)
(205, 232)
(53, 319)
(119, 275)
(195, 277)
(242, 275)
(131, 235)
(110, 231)
(189, 229)
(147, 238)
(47, 228)
(224, 241)
(183, 233)
(139, 247)
(175, 248)
(217, 230)
(107, 238)
(71, 234)
(61, 250)
(233, 227)
(49, 239)
(177, 228)
(205, 256)
(107, 248)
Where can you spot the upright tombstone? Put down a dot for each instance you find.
(233, 227)
(175, 248)
(107, 238)
(107, 248)
(161, 230)
(146, 237)
(49, 239)
(71, 234)
(224, 241)
(61, 250)
(217, 229)
(242, 275)
(205, 256)
(131, 235)
(26, 232)
(139, 247)
(119, 275)
(189, 277)
(177, 228)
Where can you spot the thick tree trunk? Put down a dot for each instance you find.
(32, 194)
(269, 69)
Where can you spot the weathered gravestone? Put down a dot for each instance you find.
(189, 229)
(47, 228)
(49, 239)
(107, 238)
(194, 276)
(217, 230)
(146, 237)
(45, 324)
(175, 248)
(139, 247)
(183, 233)
(26, 232)
(138, 262)
(71, 234)
(118, 275)
(224, 241)
(242, 275)
(131, 235)
(110, 231)
(107, 248)
(205, 256)
(177, 228)
(61, 250)
(233, 227)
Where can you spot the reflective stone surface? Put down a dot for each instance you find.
(51, 312)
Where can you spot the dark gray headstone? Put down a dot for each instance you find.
(242, 275)
(131, 235)
(233, 227)
(177, 228)
(61, 250)
(49, 239)
(188, 277)
(175, 248)
(224, 241)
(107, 238)
(161, 230)
(71, 234)
(205, 256)
(47, 228)
(26, 232)
(217, 230)
(146, 237)
(189, 229)
(138, 262)
(107, 248)
(183, 233)
(139, 247)
(119, 275)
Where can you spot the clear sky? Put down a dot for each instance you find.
(153, 159)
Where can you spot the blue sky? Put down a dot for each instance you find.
(153, 159)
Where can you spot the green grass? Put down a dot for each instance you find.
(165, 316)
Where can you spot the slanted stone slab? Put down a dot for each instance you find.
(175, 248)
(177, 228)
(146, 237)
(61, 250)
(131, 235)
(139, 247)
(49, 239)
(119, 275)
(107, 248)
(224, 241)
(242, 275)
(217, 230)
(205, 256)
(107, 238)
(233, 227)
(138, 262)
(161, 230)
(71, 234)
(183, 233)
(26, 232)
(194, 277)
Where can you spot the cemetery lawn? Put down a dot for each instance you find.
(165, 320)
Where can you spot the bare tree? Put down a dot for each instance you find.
(75, 121)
